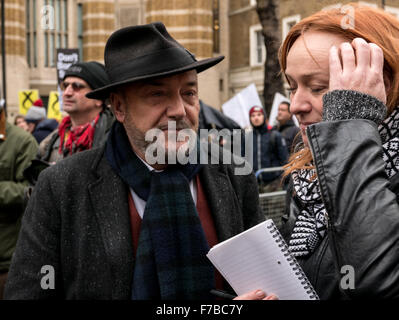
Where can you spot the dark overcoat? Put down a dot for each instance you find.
(77, 222)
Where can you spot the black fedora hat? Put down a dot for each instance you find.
(144, 52)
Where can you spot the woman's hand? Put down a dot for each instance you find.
(358, 66)
(256, 295)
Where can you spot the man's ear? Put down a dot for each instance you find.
(99, 104)
(118, 106)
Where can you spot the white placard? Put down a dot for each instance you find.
(237, 108)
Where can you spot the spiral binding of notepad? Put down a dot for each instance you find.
(292, 261)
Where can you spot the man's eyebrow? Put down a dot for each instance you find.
(192, 83)
(161, 82)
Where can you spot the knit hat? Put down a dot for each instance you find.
(92, 72)
(38, 103)
(256, 109)
(35, 114)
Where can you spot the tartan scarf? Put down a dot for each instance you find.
(77, 139)
(311, 224)
(171, 258)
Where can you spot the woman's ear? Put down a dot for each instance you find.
(117, 106)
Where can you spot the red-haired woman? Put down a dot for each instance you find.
(343, 213)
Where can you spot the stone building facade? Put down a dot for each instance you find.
(247, 50)
(35, 28)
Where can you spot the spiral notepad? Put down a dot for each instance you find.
(258, 258)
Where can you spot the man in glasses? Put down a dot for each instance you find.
(88, 120)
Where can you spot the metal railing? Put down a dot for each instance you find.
(272, 204)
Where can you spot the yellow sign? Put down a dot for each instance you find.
(53, 108)
(26, 99)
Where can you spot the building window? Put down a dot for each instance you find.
(55, 28)
(216, 26)
(392, 10)
(31, 34)
(288, 23)
(80, 30)
(257, 46)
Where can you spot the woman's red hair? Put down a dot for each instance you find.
(372, 24)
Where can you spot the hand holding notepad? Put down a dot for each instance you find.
(258, 258)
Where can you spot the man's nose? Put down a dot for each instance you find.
(68, 91)
(176, 108)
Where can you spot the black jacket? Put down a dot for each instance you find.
(44, 128)
(78, 222)
(269, 150)
(289, 131)
(363, 212)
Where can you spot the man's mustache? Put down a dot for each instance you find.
(180, 125)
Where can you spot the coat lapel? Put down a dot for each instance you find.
(109, 198)
(223, 202)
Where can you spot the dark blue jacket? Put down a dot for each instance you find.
(268, 153)
(44, 128)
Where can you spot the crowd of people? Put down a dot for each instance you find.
(114, 225)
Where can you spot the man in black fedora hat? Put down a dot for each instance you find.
(122, 226)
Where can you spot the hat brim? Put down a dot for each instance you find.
(103, 92)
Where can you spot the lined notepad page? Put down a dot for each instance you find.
(254, 260)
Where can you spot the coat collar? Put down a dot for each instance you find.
(110, 203)
(221, 196)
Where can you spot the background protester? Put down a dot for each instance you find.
(286, 126)
(269, 150)
(17, 149)
(19, 121)
(38, 124)
(88, 121)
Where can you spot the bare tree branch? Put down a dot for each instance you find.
(268, 12)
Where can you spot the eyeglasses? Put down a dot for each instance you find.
(76, 86)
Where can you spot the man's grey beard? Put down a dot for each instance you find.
(137, 138)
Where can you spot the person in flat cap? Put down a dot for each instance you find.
(88, 121)
(122, 226)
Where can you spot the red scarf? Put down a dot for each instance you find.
(77, 139)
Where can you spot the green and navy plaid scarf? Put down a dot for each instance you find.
(171, 258)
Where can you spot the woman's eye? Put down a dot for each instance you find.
(318, 89)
